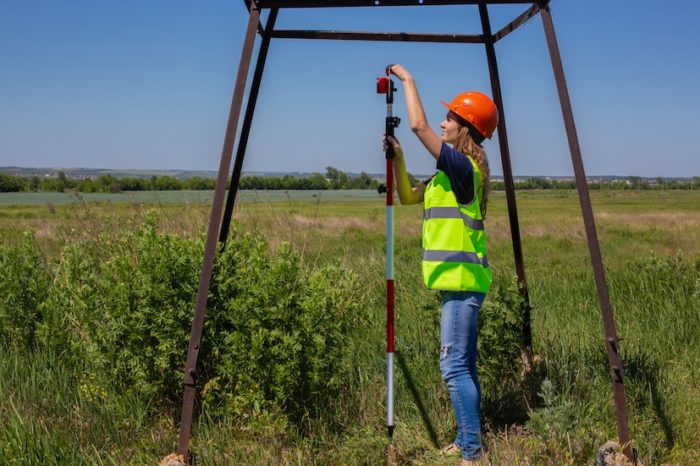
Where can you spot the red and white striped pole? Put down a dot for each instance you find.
(386, 86)
(390, 295)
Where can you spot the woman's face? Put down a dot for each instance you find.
(450, 130)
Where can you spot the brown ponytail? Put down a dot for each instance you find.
(468, 146)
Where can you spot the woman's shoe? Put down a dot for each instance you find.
(451, 450)
(470, 463)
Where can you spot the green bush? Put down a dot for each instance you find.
(281, 331)
(24, 282)
(120, 308)
(500, 348)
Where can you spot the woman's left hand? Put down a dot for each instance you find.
(394, 144)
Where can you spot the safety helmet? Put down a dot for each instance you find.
(477, 109)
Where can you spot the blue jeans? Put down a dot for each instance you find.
(460, 310)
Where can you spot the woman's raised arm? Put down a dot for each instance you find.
(416, 114)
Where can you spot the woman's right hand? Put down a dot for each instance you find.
(400, 72)
(394, 143)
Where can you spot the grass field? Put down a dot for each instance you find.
(54, 413)
(181, 196)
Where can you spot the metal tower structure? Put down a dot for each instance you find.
(222, 207)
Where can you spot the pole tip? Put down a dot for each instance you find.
(392, 455)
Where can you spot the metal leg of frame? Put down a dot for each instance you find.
(507, 177)
(611, 339)
(212, 232)
(245, 127)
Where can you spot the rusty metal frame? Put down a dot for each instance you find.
(374, 3)
(611, 338)
(218, 228)
(508, 177)
(380, 36)
(210, 247)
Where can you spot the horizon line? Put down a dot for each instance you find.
(214, 173)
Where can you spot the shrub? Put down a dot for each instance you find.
(500, 347)
(279, 332)
(120, 309)
(23, 287)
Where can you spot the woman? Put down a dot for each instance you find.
(454, 242)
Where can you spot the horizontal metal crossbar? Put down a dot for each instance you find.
(379, 36)
(369, 3)
(517, 22)
(393, 36)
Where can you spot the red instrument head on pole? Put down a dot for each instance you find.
(383, 85)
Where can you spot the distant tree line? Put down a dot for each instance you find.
(631, 182)
(101, 184)
(333, 179)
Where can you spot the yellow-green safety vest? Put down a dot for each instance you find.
(454, 240)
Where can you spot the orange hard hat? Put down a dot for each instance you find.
(477, 109)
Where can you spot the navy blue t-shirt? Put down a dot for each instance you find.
(460, 171)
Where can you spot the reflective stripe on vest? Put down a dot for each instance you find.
(453, 212)
(454, 256)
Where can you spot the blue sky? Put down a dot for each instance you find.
(148, 84)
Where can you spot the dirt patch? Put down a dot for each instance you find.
(332, 223)
(500, 229)
(677, 220)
